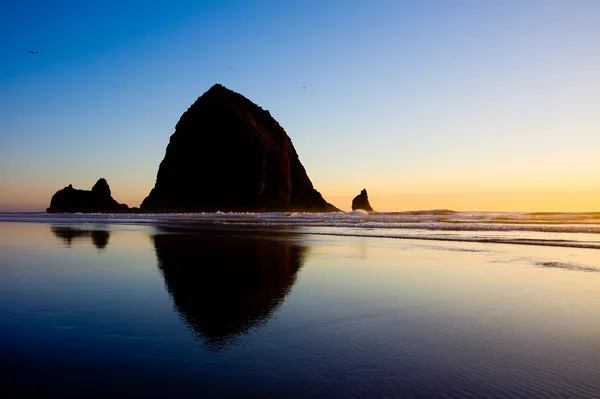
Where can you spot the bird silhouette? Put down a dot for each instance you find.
(304, 87)
(229, 68)
(32, 52)
(116, 87)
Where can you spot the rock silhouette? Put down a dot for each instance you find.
(223, 285)
(361, 201)
(99, 199)
(228, 154)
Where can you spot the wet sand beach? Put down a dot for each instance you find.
(121, 309)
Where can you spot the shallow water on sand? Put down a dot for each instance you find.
(104, 309)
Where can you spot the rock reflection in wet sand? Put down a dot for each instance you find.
(223, 286)
(68, 234)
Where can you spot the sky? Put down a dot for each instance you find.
(463, 104)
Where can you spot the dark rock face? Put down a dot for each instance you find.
(361, 201)
(101, 189)
(97, 200)
(228, 154)
(224, 286)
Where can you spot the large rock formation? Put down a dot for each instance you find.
(228, 154)
(361, 201)
(99, 199)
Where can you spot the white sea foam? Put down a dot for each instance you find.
(555, 229)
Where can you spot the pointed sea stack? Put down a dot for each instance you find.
(97, 200)
(228, 154)
(361, 201)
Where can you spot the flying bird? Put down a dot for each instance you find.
(229, 68)
(304, 87)
(32, 52)
(116, 87)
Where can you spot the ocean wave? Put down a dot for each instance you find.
(580, 230)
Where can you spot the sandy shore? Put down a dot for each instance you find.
(99, 309)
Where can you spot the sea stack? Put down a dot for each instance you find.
(228, 154)
(361, 201)
(97, 200)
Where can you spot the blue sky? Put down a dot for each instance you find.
(428, 104)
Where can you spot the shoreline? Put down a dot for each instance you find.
(474, 236)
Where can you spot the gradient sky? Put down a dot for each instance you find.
(466, 105)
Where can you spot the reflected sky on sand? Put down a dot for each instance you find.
(107, 310)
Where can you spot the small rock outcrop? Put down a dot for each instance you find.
(98, 199)
(228, 154)
(361, 201)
